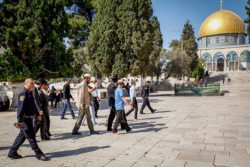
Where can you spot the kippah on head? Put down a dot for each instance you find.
(148, 82)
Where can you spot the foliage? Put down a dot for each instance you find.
(34, 31)
(178, 65)
(124, 37)
(199, 69)
(248, 20)
(155, 69)
(11, 68)
(189, 44)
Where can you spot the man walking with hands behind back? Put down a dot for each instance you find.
(145, 94)
(67, 96)
(120, 113)
(83, 103)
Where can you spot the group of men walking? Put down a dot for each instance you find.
(33, 113)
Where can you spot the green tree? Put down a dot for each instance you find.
(11, 68)
(123, 37)
(190, 45)
(178, 65)
(248, 20)
(199, 69)
(34, 31)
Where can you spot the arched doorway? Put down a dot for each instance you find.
(220, 64)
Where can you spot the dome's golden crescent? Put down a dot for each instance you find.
(222, 22)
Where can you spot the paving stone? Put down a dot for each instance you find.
(173, 163)
(169, 155)
(207, 158)
(198, 164)
(221, 160)
(130, 156)
(116, 163)
(214, 148)
(214, 152)
(232, 149)
(240, 154)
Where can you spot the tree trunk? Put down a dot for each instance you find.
(157, 80)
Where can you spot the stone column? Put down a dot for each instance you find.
(212, 64)
(234, 65)
(239, 63)
(206, 66)
(225, 64)
(228, 67)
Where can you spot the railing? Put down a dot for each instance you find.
(197, 89)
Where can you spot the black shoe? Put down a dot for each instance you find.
(43, 158)
(110, 130)
(47, 138)
(96, 116)
(15, 156)
(64, 118)
(54, 106)
(153, 111)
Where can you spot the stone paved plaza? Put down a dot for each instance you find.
(185, 131)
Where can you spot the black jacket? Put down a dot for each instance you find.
(26, 105)
(66, 92)
(36, 99)
(111, 93)
(145, 91)
(44, 101)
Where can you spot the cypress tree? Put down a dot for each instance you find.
(190, 45)
(122, 37)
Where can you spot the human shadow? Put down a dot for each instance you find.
(67, 153)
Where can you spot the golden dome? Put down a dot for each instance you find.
(222, 22)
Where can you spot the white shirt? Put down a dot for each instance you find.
(133, 92)
(94, 93)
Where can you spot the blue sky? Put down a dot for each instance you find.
(173, 14)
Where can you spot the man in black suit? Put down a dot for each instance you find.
(111, 101)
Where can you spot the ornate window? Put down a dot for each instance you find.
(226, 39)
(217, 40)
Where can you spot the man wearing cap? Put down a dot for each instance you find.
(145, 94)
(133, 102)
(83, 103)
(66, 97)
(41, 124)
(111, 102)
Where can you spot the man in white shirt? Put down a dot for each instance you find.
(133, 102)
(96, 99)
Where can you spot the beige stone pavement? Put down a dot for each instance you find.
(185, 131)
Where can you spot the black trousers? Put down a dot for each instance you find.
(144, 104)
(135, 105)
(42, 126)
(96, 105)
(112, 117)
(57, 100)
(27, 132)
(47, 125)
(121, 119)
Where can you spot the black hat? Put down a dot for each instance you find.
(40, 81)
(148, 82)
(115, 77)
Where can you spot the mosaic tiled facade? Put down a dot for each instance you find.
(222, 40)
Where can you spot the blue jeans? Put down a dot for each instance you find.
(92, 113)
(66, 104)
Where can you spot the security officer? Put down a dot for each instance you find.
(145, 94)
(26, 112)
(41, 124)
